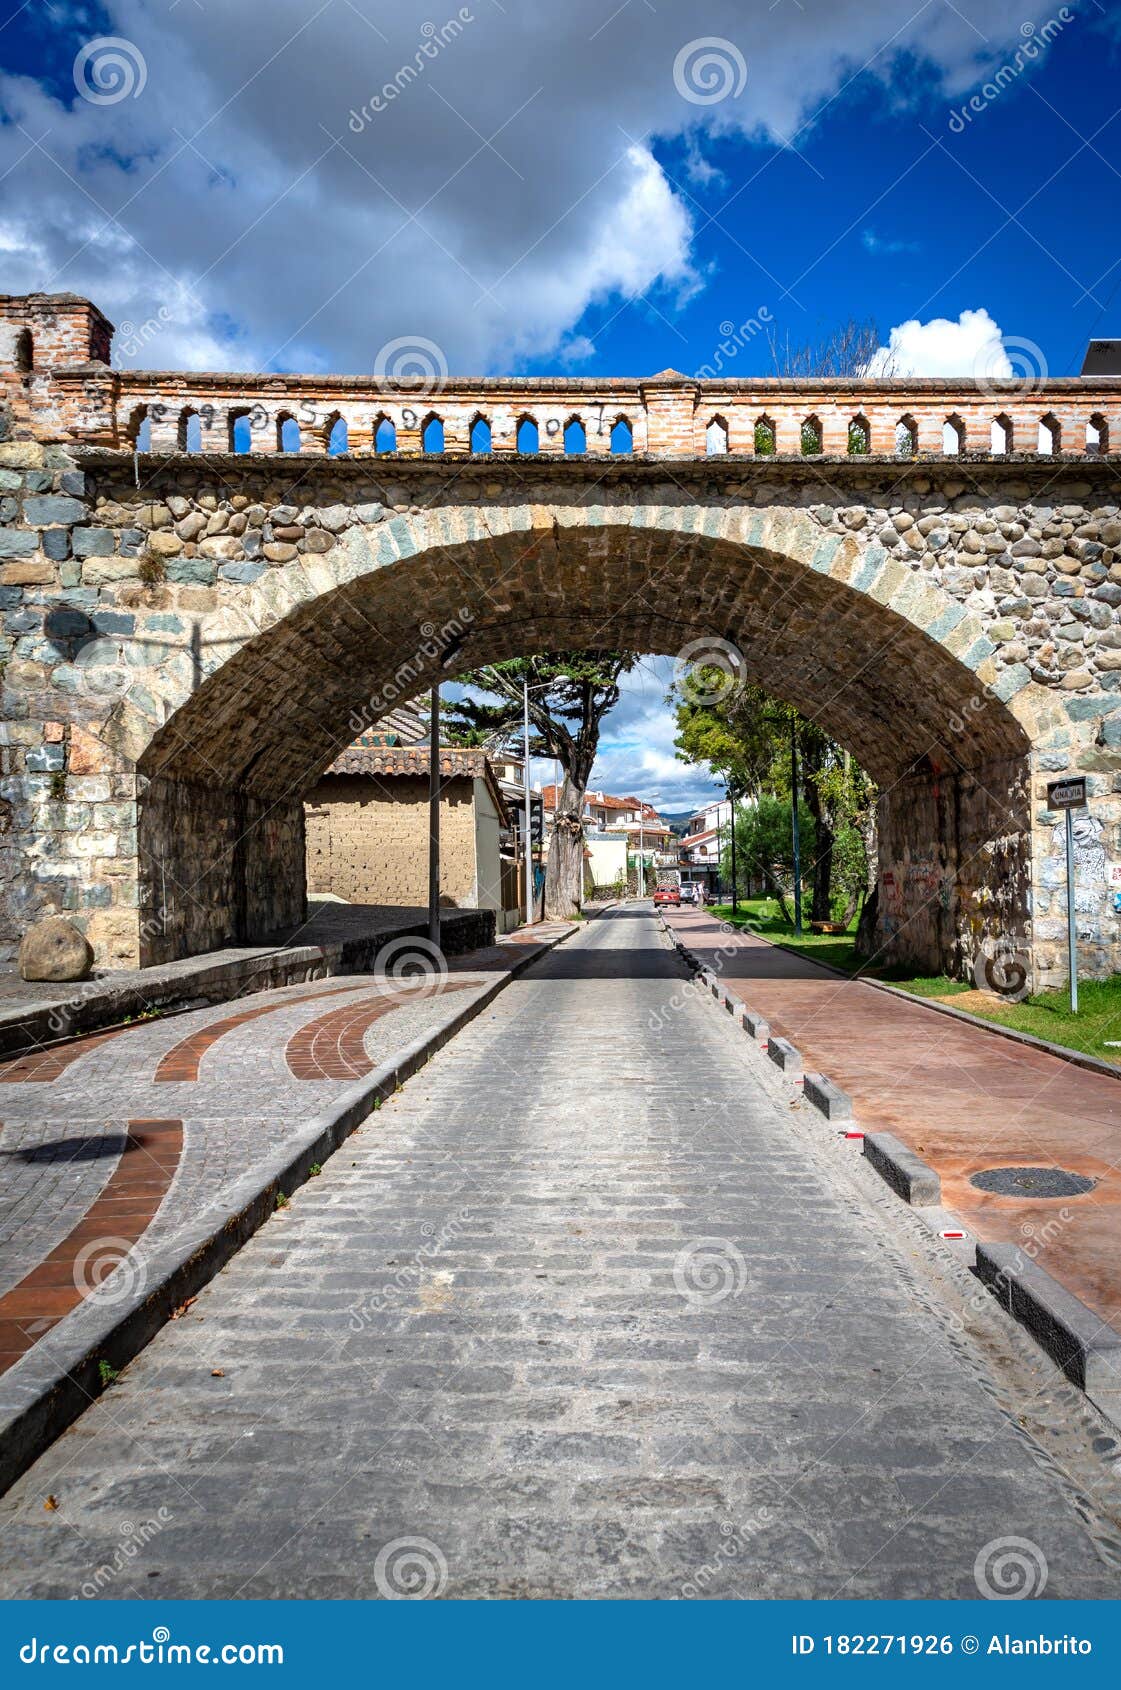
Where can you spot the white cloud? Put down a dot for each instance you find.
(510, 182)
(636, 752)
(944, 347)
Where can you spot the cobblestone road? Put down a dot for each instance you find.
(592, 1307)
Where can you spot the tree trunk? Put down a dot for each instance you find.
(866, 926)
(564, 871)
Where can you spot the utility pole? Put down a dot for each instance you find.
(732, 809)
(528, 848)
(794, 821)
(641, 850)
(434, 817)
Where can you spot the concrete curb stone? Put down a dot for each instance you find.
(1087, 1348)
(785, 1056)
(914, 1180)
(834, 1104)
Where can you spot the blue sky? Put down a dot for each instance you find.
(599, 187)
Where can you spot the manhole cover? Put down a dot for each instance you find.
(1032, 1182)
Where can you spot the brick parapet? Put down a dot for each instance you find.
(70, 394)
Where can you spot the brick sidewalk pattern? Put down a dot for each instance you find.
(963, 1098)
(87, 1174)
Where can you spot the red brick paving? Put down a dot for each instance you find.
(333, 1046)
(118, 1216)
(47, 1065)
(181, 1062)
(961, 1097)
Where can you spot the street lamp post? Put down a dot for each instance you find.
(434, 818)
(794, 822)
(528, 849)
(732, 813)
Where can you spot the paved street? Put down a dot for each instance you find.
(594, 1306)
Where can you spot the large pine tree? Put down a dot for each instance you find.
(570, 692)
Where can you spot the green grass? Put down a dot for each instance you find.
(1045, 1015)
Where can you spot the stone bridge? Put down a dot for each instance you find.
(211, 583)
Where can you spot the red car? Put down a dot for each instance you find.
(667, 895)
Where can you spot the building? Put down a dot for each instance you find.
(367, 831)
(701, 845)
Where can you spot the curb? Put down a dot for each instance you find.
(214, 977)
(785, 1056)
(755, 1024)
(1079, 1058)
(914, 1180)
(42, 1394)
(834, 1104)
(1086, 1348)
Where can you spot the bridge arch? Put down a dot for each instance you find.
(226, 736)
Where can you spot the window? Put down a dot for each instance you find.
(953, 437)
(1097, 435)
(622, 438)
(480, 437)
(1000, 435)
(575, 437)
(860, 437)
(906, 437)
(140, 429)
(811, 437)
(527, 435)
(432, 435)
(24, 352)
(716, 438)
(385, 436)
(287, 434)
(764, 438)
(338, 438)
(190, 432)
(1049, 435)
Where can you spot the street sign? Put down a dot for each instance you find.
(1068, 794)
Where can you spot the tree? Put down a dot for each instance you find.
(851, 349)
(744, 735)
(570, 692)
(765, 846)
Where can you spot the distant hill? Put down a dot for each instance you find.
(677, 818)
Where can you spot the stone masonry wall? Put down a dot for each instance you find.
(120, 602)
